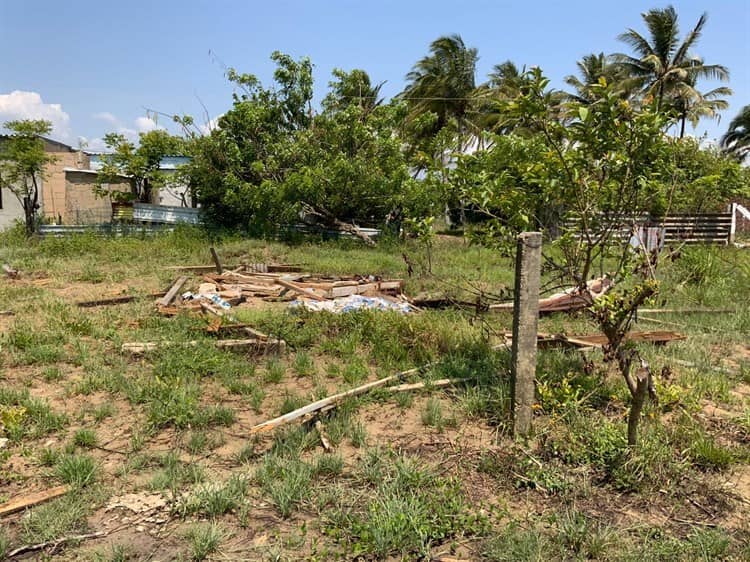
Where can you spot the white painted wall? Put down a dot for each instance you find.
(12, 209)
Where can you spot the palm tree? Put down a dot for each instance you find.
(691, 105)
(591, 69)
(352, 88)
(442, 83)
(662, 64)
(736, 141)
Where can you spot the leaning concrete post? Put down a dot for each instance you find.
(525, 316)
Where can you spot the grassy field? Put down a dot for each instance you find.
(431, 475)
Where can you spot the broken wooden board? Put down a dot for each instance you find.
(658, 337)
(173, 290)
(252, 268)
(330, 401)
(107, 301)
(567, 300)
(30, 500)
(305, 292)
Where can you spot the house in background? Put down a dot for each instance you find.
(175, 193)
(66, 192)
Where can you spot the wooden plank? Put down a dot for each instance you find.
(299, 290)
(30, 500)
(440, 383)
(172, 293)
(118, 300)
(337, 292)
(329, 401)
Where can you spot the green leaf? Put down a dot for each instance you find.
(583, 113)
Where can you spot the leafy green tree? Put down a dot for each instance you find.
(736, 141)
(237, 168)
(701, 179)
(22, 165)
(142, 163)
(598, 165)
(662, 65)
(350, 166)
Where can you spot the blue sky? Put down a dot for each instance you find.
(92, 67)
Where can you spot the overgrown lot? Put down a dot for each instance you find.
(424, 475)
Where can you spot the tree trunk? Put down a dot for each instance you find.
(642, 377)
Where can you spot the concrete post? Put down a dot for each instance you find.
(525, 317)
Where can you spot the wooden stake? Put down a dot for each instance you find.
(525, 319)
(215, 256)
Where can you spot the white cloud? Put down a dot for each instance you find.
(29, 105)
(93, 145)
(146, 124)
(108, 117)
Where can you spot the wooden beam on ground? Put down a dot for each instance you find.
(30, 500)
(329, 401)
(172, 293)
(687, 310)
(597, 341)
(7, 313)
(118, 300)
(440, 383)
(299, 290)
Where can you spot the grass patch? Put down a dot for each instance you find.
(78, 470)
(204, 540)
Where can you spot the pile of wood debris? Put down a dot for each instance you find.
(245, 283)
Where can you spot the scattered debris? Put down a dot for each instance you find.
(10, 272)
(30, 500)
(353, 302)
(595, 341)
(569, 299)
(252, 267)
(233, 287)
(7, 313)
(324, 440)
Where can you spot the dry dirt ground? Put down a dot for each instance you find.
(131, 513)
